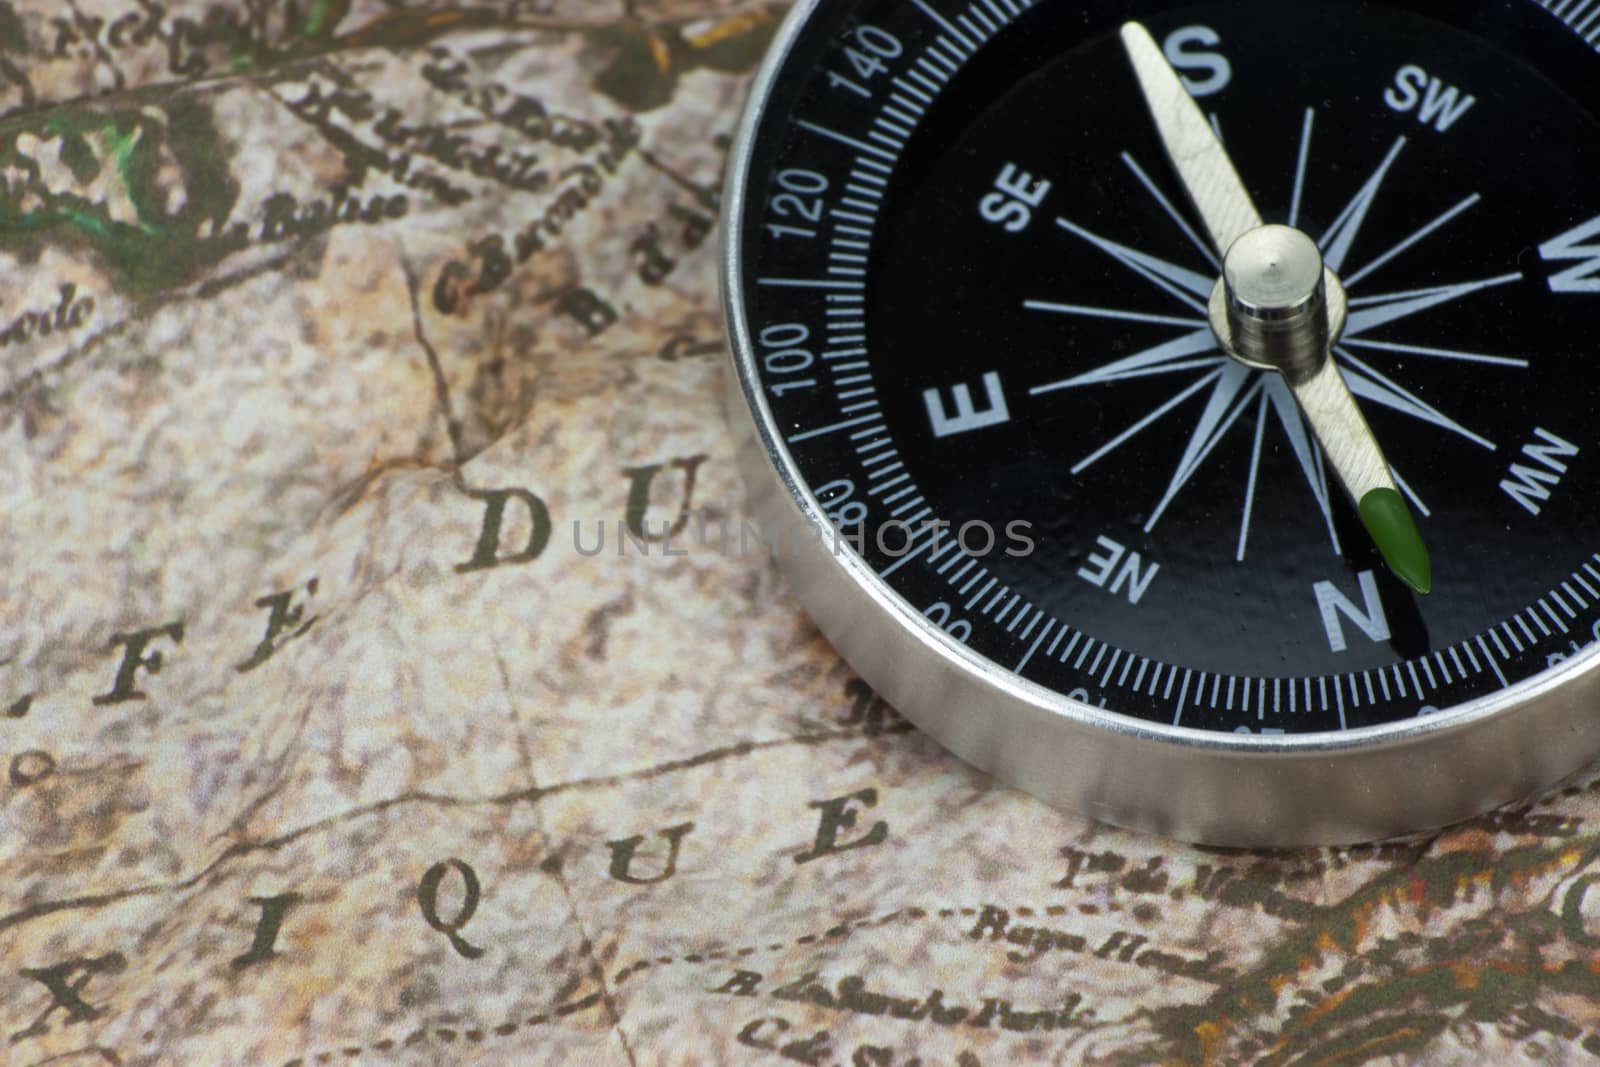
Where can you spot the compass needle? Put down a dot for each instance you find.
(1011, 310)
(1278, 305)
(1192, 143)
(1394, 531)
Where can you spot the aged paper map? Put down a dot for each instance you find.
(336, 334)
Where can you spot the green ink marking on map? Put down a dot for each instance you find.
(135, 149)
(1394, 531)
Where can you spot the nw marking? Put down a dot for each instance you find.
(1530, 486)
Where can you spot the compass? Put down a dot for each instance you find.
(1186, 413)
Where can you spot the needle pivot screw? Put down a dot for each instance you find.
(1274, 297)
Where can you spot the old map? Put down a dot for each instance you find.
(361, 359)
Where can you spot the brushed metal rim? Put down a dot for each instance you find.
(1290, 790)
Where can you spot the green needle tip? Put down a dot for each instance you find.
(1394, 531)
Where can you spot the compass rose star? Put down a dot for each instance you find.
(1229, 389)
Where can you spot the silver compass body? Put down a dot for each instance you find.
(1187, 413)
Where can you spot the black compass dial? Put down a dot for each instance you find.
(978, 294)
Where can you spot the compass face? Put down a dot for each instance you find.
(976, 291)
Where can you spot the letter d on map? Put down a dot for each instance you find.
(487, 555)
